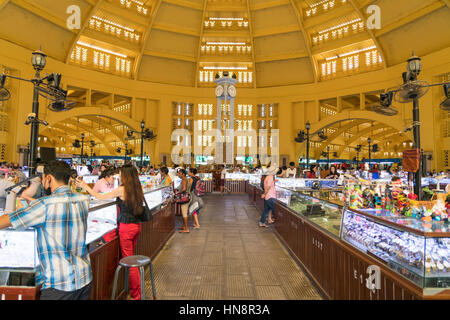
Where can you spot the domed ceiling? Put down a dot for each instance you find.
(265, 42)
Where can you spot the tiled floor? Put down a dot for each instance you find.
(229, 257)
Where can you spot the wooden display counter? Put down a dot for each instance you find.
(338, 270)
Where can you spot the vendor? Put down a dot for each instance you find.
(291, 172)
(166, 180)
(333, 173)
(311, 174)
(105, 183)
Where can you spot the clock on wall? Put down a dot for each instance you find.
(219, 91)
(232, 91)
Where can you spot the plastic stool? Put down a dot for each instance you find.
(134, 262)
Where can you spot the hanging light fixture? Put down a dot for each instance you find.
(38, 60)
(414, 66)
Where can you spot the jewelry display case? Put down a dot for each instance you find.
(18, 250)
(417, 250)
(326, 215)
(410, 256)
(19, 261)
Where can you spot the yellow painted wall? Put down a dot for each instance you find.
(297, 104)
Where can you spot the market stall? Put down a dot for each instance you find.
(19, 261)
(363, 253)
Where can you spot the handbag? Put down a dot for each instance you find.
(182, 197)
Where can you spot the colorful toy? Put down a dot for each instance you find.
(378, 201)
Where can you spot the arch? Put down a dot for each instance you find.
(104, 124)
(396, 122)
(99, 110)
(62, 128)
(362, 133)
(51, 135)
(337, 134)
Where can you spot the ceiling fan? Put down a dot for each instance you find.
(445, 105)
(4, 93)
(411, 90)
(52, 91)
(384, 106)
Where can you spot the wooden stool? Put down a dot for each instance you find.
(134, 262)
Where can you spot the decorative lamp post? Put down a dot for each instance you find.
(307, 127)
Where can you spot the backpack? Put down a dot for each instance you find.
(200, 188)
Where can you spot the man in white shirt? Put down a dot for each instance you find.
(223, 174)
(291, 172)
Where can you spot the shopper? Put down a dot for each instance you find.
(185, 186)
(20, 176)
(130, 199)
(35, 189)
(291, 172)
(61, 223)
(311, 174)
(166, 180)
(4, 184)
(192, 173)
(105, 183)
(269, 194)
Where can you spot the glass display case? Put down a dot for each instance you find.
(417, 250)
(254, 179)
(237, 176)
(205, 176)
(101, 220)
(18, 250)
(90, 179)
(309, 183)
(329, 190)
(158, 196)
(324, 214)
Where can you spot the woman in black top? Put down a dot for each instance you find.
(130, 198)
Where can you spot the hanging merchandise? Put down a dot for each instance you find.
(411, 160)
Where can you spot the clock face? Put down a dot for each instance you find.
(219, 91)
(232, 91)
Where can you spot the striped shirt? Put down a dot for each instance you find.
(61, 224)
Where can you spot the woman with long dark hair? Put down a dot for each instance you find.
(130, 198)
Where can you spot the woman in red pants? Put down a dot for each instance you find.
(130, 198)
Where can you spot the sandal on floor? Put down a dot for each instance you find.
(183, 231)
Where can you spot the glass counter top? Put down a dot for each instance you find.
(324, 214)
(409, 222)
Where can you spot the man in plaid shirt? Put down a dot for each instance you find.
(61, 223)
